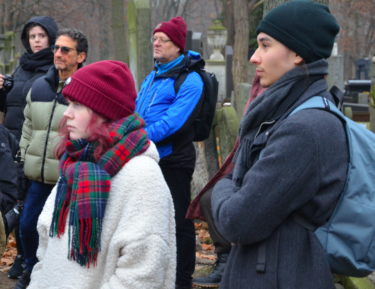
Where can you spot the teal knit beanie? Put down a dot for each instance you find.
(304, 26)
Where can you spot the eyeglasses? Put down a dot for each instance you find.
(64, 49)
(162, 41)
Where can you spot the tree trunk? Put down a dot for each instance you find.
(119, 34)
(270, 4)
(228, 16)
(241, 44)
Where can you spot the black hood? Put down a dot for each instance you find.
(48, 25)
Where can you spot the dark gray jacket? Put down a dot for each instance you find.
(303, 168)
(8, 170)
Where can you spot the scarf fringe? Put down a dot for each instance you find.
(85, 236)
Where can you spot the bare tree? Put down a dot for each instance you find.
(270, 4)
(356, 39)
(118, 31)
(228, 21)
(241, 43)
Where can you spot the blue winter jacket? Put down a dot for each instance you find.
(169, 117)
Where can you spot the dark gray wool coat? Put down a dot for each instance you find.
(303, 168)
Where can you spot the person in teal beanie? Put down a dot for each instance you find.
(284, 164)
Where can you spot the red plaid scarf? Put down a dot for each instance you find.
(83, 188)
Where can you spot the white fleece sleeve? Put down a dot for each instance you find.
(143, 237)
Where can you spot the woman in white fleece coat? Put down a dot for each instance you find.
(109, 222)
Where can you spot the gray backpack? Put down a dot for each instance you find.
(349, 236)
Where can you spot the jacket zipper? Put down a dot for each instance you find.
(48, 131)
(260, 127)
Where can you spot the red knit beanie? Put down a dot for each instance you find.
(176, 30)
(107, 87)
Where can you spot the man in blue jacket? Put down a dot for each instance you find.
(169, 118)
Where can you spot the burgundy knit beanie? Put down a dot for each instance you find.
(107, 87)
(176, 30)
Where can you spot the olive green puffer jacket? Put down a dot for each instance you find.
(43, 113)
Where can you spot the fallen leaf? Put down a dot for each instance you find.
(206, 247)
(209, 257)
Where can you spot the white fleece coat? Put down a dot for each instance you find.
(138, 243)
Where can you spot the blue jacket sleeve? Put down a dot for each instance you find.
(180, 110)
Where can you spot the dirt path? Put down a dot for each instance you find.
(5, 282)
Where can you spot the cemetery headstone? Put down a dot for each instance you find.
(228, 125)
(363, 68)
(189, 36)
(196, 42)
(336, 72)
(244, 90)
(229, 87)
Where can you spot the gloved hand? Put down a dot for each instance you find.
(22, 182)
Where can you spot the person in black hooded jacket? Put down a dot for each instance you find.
(37, 36)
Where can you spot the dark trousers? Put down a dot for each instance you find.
(35, 200)
(178, 181)
(220, 243)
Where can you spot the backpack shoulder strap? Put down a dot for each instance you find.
(320, 102)
(180, 79)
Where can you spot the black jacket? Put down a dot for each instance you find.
(8, 170)
(32, 66)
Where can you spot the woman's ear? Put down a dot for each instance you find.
(298, 60)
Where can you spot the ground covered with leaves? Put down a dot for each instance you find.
(205, 256)
(6, 262)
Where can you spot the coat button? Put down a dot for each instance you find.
(3, 145)
(266, 132)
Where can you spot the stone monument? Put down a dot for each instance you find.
(216, 39)
(336, 69)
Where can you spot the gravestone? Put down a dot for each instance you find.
(140, 47)
(336, 72)
(196, 42)
(206, 164)
(363, 98)
(228, 125)
(189, 36)
(229, 87)
(244, 90)
(251, 68)
(363, 68)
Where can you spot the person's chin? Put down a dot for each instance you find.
(264, 83)
(59, 66)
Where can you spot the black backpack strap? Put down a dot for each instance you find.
(177, 84)
(180, 79)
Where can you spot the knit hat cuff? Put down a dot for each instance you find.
(292, 43)
(171, 33)
(79, 88)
